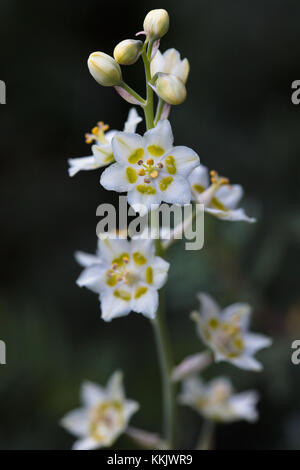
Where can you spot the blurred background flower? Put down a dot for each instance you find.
(239, 117)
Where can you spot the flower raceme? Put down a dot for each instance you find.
(126, 275)
(104, 416)
(216, 400)
(150, 169)
(102, 148)
(220, 198)
(225, 332)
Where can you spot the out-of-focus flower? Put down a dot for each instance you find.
(216, 400)
(170, 88)
(226, 333)
(150, 169)
(126, 275)
(105, 70)
(156, 23)
(219, 197)
(102, 149)
(104, 416)
(170, 62)
(128, 51)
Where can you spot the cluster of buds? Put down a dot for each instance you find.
(168, 72)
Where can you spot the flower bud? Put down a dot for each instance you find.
(170, 88)
(104, 69)
(128, 51)
(156, 23)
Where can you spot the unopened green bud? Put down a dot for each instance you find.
(156, 23)
(128, 51)
(170, 88)
(104, 69)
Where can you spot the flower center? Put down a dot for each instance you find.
(229, 339)
(97, 134)
(149, 169)
(105, 419)
(119, 271)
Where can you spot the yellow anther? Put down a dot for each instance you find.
(141, 172)
(125, 259)
(150, 161)
(154, 174)
(95, 130)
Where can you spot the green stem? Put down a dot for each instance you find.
(148, 107)
(166, 366)
(205, 441)
(159, 111)
(133, 93)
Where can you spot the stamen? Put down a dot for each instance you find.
(147, 180)
(141, 172)
(160, 165)
(150, 161)
(140, 162)
(154, 174)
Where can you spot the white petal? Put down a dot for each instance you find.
(125, 145)
(247, 363)
(144, 246)
(230, 195)
(146, 304)
(171, 59)
(192, 389)
(244, 405)
(142, 202)
(130, 407)
(132, 121)
(114, 179)
(86, 444)
(255, 342)
(110, 249)
(114, 388)
(160, 269)
(110, 135)
(240, 311)
(181, 70)
(82, 163)
(93, 278)
(113, 307)
(208, 306)
(103, 154)
(157, 64)
(199, 180)
(236, 215)
(85, 259)
(91, 393)
(76, 422)
(160, 137)
(185, 160)
(176, 192)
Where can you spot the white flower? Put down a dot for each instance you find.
(102, 149)
(170, 62)
(104, 416)
(126, 275)
(216, 400)
(150, 169)
(226, 333)
(220, 198)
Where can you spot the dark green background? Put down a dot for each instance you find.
(238, 116)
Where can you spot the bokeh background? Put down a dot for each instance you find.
(238, 116)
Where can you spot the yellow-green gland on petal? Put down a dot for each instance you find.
(128, 51)
(105, 70)
(170, 88)
(156, 23)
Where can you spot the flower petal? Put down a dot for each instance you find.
(142, 196)
(82, 163)
(130, 407)
(230, 195)
(103, 154)
(243, 405)
(88, 443)
(128, 148)
(85, 259)
(157, 64)
(159, 140)
(145, 300)
(241, 311)
(246, 362)
(114, 388)
(199, 180)
(159, 272)
(113, 306)
(180, 160)
(93, 278)
(173, 189)
(91, 393)
(208, 306)
(237, 215)
(132, 121)
(255, 341)
(76, 422)
(110, 248)
(115, 178)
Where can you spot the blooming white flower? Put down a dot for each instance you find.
(226, 333)
(126, 275)
(216, 400)
(170, 62)
(150, 169)
(219, 198)
(104, 416)
(102, 149)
